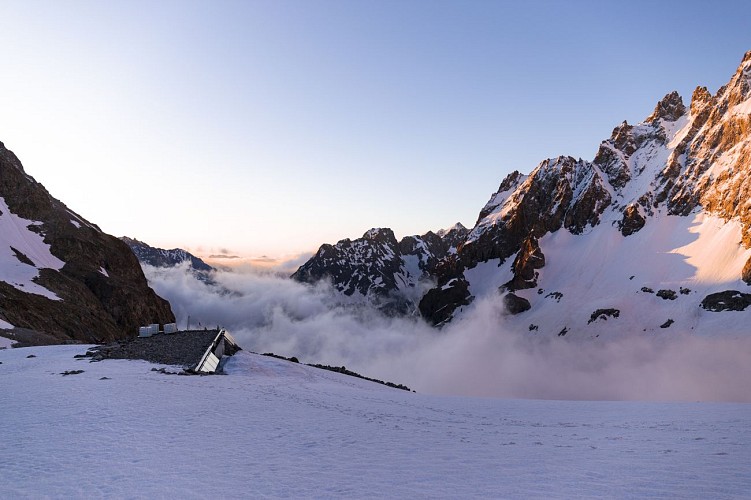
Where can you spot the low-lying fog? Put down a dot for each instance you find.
(477, 356)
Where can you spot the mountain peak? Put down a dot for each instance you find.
(744, 76)
(129, 240)
(456, 227)
(380, 235)
(746, 59)
(670, 108)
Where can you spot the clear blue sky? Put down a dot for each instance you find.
(270, 127)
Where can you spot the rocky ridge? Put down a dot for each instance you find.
(159, 257)
(387, 272)
(85, 285)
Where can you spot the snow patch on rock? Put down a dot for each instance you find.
(16, 238)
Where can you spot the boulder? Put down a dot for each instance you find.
(515, 304)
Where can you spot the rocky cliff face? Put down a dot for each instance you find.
(60, 274)
(710, 165)
(682, 166)
(561, 192)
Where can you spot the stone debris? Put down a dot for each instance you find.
(183, 348)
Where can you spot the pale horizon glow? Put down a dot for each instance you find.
(263, 129)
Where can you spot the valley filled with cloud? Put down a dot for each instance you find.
(477, 355)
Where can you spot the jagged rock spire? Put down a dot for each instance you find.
(670, 108)
(699, 99)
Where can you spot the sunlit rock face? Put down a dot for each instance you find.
(84, 285)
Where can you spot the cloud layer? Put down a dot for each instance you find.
(474, 357)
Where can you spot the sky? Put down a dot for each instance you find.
(266, 128)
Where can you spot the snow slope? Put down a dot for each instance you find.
(277, 429)
(15, 236)
(699, 254)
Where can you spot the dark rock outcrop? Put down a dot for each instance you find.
(667, 323)
(632, 220)
(528, 260)
(103, 293)
(515, 304)
(729, 300)
(667, 294)
(438, 305)
(603, 314)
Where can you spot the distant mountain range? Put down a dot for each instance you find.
(653, 233)
(159, 257)
(61, 278)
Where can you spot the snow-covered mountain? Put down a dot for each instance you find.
(61, 277)
(159, 257)
(653, 233)
(387, 272)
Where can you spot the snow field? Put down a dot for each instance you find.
(15, 233)
(277, 429)
(603, 269)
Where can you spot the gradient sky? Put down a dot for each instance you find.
(270, 127)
